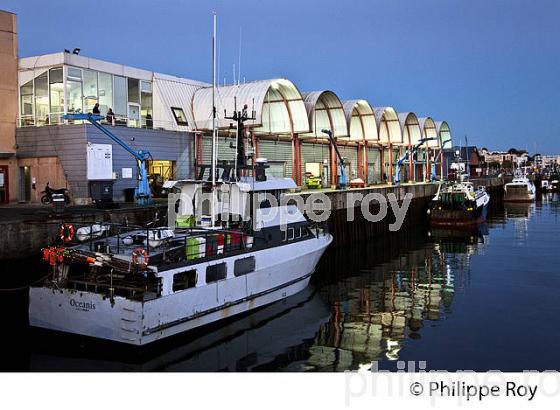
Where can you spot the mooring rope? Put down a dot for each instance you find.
(24, 286)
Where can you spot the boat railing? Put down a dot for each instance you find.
(127, 248)
(161, 244)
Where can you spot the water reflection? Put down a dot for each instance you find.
(375, 310)
(519, 215)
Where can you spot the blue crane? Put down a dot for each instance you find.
(342, 181)
(408, 152)
(142, 192)
(434, 163)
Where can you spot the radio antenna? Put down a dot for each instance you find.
(239, 59)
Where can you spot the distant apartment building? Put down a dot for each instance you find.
(546, 161)
(504, 158)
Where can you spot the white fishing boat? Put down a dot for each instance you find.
(520, 189)
(112, 289)
(459, 203)
(242, 249)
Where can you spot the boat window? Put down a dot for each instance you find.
(244, 266)
(290, 234)
(298, 232)
(304, 232)
(184, 280)
(217, 272)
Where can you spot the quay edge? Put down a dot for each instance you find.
(23, 237)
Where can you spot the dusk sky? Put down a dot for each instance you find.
(490, 68)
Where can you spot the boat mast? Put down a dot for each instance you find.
(214, 130)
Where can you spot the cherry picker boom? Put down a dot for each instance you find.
(405, 156)
(341, 164)
(142, 192)
(436, 159)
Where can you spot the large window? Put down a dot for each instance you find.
(133, 91)
(56, 89)
(146, 106)
(105, 92)
(90, 90)
(120, 96)
(74, 90)
(26, 104)
(42, 99)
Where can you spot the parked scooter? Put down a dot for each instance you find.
(46, 199)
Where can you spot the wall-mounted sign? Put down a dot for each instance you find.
(99, 162)
(127, 173)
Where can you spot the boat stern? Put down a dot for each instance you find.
(86, 313)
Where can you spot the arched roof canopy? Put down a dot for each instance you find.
(324, 111)
(278, 106)
(428, 127)
(389, 128)
(444, 134)
(360, 120)
(410, 128)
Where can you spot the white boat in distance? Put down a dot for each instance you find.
(520, 189)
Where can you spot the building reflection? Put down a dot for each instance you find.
(374, 311)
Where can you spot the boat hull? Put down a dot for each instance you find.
(519, 194)
(451, 218)
(280, 272)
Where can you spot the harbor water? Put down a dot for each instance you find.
(449, 300)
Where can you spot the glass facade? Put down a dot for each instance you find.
(65, 89)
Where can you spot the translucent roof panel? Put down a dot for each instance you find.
(361, 120)
(324, 111)
(389, 128)
(278, 106)
(444, 134)
(410, 128)
(428, 128)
